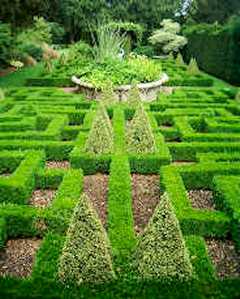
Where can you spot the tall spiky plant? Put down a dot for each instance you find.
(109, 44)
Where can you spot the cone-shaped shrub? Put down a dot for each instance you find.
(134, 98)
(140, 138)
(193, 68)
(161, 253)
(108, 96)
(2, 95)
(179, 59)
(86, 255)
(100, 138)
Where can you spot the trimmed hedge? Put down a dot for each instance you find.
(85, 257)
(216, 49)
(161, 253)
(120, 216)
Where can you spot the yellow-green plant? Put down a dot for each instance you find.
(193, 68)
(238, 96)
(179, 59)
(134, 97)
(161, 253)
(100, 138)
(2, 95)
(108, 97)
(85, 256)
(140, 138)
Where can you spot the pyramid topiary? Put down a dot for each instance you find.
(134, 97)
(179, 59)
(193, 68)
(108, 96)
(140, 138)
(237, 98)
(100, 139)
(161, 253)
(85, 256)
(2, 95)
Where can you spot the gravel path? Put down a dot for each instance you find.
(96, 187)
(224, 257)
(146, 195)
(18, 257)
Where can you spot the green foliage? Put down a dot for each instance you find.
(57, 33)
(100, 139)
(161, 253)
(119, 72)
(2, 95)
(39, 33)
(130, 30)
(30, 49)
(216, 49)
(167, 39)
(193, 67)
(140, 137)
(85, 256)
(6, 43)
(145, 50)
(109, 44)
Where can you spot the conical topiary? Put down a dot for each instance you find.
(85, 256)
(161, 253)
(193, 68)
(100, 139)
(179, 59)
(2, 95)
(237, 98)
(140, 138)
(108, 96)
(134, 97)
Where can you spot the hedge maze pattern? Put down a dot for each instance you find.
(196, 134)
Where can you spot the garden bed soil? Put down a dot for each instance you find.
(17, 258)
(42, 198)
(96, 188)
(202, 199)
(58, 164)
(225, 258)
(146, 196)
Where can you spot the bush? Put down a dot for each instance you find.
(85, 257)
(140, 137)
(100, 139)
(161, 253)
(6, 44)
(167, 39)
(145, 50)
(32, 50)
